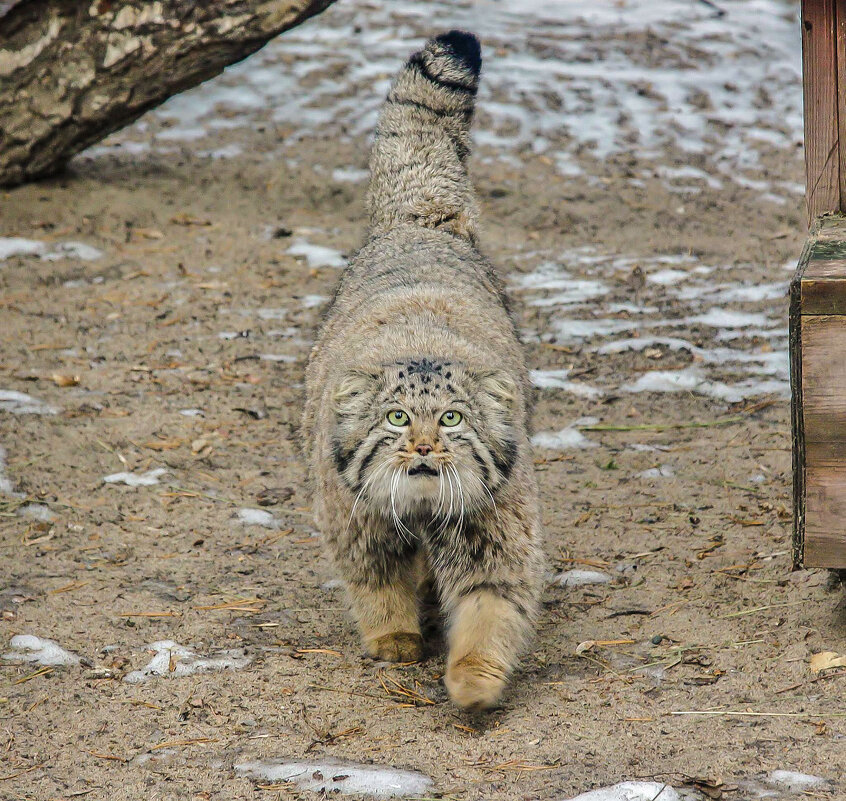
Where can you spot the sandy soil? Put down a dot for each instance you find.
(197, 304)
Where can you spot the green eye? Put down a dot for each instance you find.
(397, 417)
(450, 418)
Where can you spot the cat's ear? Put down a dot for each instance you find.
(353, 387)
(500, 387)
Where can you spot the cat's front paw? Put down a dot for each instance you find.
(398, 646)
(475, 682)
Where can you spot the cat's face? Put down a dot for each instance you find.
(425, 437)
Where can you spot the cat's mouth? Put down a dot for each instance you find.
(422, 470)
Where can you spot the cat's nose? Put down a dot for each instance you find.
(423, 449)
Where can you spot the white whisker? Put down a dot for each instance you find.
(448, 513)
(368, 481)
(436, 512)
(460, 526)
(401, 528)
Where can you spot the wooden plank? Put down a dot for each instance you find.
(825, 297)
(825, 505)
(819, 79)
(823, 344)
(818, 398)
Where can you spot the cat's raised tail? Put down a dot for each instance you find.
(418, 170)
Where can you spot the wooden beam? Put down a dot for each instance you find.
(818, 380)
(819, 78)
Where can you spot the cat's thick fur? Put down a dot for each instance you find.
(418, 328)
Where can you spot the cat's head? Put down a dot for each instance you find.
(425, 436)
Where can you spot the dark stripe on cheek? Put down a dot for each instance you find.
(365, 462)
(486, 471)
(341, 456)
(504, 461)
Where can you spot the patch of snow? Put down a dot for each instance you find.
(329, 776)
(21, 403)
(575, 291)
(569, 330)
(272, 314)
(192, 413)
(550, 276)
(136, 479)
(290, 331)
(662, 471)
(567, 166)
(782, 783)
(630, 308)
(312, 301)
(72, 250)
(317, 255)
(765, 362)
(6, 487)
(691, 379)
(725, 318)
(557, 379)
(666, 277)
(752, 294)
(631, 791)
(644, 448)
(181, 134)
(34, 511)
(229, 151)
(257, 517)
(566, 438)
(581, 578)
(350, 175)
(172, 659)
(29, 648)
(795, 782)
(277, 357)
(17, 246)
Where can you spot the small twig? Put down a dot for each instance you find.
(661, 426)
(150, 614)
(172, 743)
(796, 686)
(759, 609)
(43, 671)
(21, 772)
(747, 713)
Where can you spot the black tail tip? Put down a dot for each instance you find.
(463, 46)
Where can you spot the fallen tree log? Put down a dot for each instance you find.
(74, 71)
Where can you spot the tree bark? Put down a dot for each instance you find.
(73, 71)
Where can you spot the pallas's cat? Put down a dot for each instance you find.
(415, 417)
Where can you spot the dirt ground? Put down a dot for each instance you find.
(194, 290)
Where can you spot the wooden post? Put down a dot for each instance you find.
(819, 78)
(818, 300)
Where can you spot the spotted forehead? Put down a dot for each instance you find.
(421, 378)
